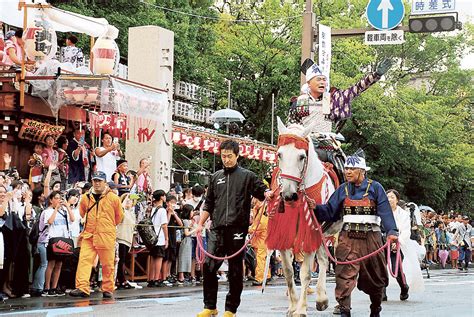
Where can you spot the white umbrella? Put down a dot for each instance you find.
(227, 115)
(421, 207)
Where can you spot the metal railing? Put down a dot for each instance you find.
(187, 111)
(193, 92)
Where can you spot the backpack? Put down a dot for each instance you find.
(35, 232)
(147, 232)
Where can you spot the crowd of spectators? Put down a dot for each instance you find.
(44, 206)
(448, 239)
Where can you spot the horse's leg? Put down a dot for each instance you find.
(322, 300)
(305, 275)
(286, 262)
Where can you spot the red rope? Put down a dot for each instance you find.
(386, 245)
(201, 252)
(291, 177)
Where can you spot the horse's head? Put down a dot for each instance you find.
(293, 146)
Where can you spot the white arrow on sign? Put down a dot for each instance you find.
(384, 6)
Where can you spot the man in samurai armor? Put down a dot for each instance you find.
(364, 207)
(319, 108)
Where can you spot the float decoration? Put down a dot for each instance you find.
(106, 54)
(202, 141)
(40, 39)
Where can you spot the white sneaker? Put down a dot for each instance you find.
(223, 278)
(167, 283)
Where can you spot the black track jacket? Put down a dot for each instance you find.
(229, 196)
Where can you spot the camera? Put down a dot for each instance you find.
(13, 173)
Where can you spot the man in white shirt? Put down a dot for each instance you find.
(463, 236)
(197, 201)
(107, 155)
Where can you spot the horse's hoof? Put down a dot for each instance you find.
(322, 306)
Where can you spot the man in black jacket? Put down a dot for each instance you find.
(228, 205)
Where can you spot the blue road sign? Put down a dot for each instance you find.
(385, 14)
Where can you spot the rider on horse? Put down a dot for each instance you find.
(321, 109)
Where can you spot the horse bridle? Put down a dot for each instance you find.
(300, 143)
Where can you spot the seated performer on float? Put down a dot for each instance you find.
(316, 106)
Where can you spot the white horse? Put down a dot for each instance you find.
(300, 169)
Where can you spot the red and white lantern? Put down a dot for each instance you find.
(106, 53)
(242, 150)
(206, 145)
(176, 137)
(216, 147)
(40, 39)
(79, 94)
(91, 95)
(188, 141)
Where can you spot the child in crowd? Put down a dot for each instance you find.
(58, 217)
(453, 250)
(185, 249)
(36, 166)
(442, 240)
(170, 252)
(73, 196)
(121, 179)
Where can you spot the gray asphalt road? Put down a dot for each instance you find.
(448, 293)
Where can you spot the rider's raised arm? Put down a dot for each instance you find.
(341, 99)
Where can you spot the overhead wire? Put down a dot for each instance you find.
(219, 18)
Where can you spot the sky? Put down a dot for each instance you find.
(466, 10)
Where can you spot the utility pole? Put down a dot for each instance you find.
(273, 116)
(307, 35)
(228, 95)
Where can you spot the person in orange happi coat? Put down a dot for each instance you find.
(260, 218)
(102, 211)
